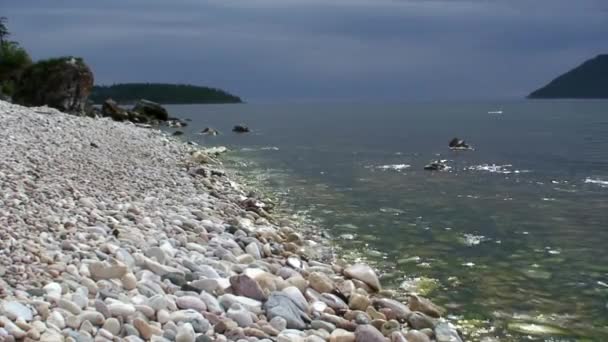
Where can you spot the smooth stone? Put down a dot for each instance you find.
(253, 250)
(320, 282)
(190, 302)
(112, 325)
(160, 269)
(158, 302)
(208, 285)
(421, 304)
(334, 302)
(73, 322)
(399, 310)
(397, 336)
(279, 323)
(241, 316)
(185, 333)
(12, 328)
(243, 285)
(56, 319)
(129, 282)
(418, 321)
(70, 306)
(318, 324)
(51, 336)
(445, 332)
(279, 304)
(213, 305)
(93, 317)
(121, 309)
(389, 327)
(252, 305)
(101, 270)
(102, 308)
(367, 333)
(417, 336)
(290, 335)
(15, 310)
(341, 335)
(358, 302)
(157, 253)
(297, 297)
(365, 274)
(143, 327)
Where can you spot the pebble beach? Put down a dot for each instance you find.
(114, 232)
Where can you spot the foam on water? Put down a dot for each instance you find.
(493, 168)
(600, 182)
(393, 167)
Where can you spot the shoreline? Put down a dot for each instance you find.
(120, 232)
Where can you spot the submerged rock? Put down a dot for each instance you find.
(210, 131)
(437, 165)
(537, 329)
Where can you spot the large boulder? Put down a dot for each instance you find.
(62, 83)
(151, 109)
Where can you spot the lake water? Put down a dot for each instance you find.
(512, 239)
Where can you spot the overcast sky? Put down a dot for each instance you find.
(310, 50)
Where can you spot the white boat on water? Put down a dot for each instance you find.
(495, 112)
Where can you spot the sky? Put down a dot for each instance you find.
(321, 50)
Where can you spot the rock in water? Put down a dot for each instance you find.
(445, 332)
(437, 165)
(459, 144)
(151, 109)
(240, 129)
(365, 274)
(536, 329)
(62, 83)
(424, 305)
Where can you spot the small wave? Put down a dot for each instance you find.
(473, 240)
(600, 182)
(265, 148)
(394, 167)
(493, 168)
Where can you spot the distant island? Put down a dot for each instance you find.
(587, 81)
(161, 93)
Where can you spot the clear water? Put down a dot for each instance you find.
(516, 231)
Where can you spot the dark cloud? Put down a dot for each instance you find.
(321, 49)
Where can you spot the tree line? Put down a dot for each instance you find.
(13, 60)
(162, 93)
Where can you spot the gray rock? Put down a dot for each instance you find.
(418, 321)
(445, 332)
(241, 316)
(281, 305)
